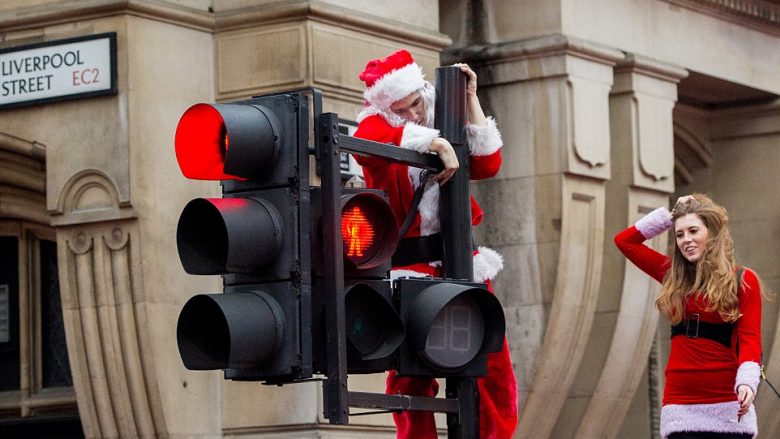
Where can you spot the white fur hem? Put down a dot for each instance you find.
(487, 264)
(417, 137)
(717, 418)
(654, 223)
(749, 373)
(395, 85)
(483, 140)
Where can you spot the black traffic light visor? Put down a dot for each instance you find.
(223, 235)
(451, 324)
(220, 331)
(374, 328)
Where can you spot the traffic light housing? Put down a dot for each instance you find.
(369, 236)
(265, 237)
(256, 236)
(450, 326)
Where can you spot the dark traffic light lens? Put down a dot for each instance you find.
(456, 334)
(374, 328)
(368, 230)
(222, 235)
(220, 331)
(450, 327)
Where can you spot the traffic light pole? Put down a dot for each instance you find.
(335, 386)
(455, 217)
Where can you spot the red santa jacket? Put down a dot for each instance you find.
(400, 180)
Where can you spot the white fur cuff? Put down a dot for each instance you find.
(654, 223)
(417, 137)
(749, 373)
(484, 140)
(487, 264)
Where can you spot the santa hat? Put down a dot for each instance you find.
(391, 78)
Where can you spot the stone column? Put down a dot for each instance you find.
(545, 210)
(641, 104)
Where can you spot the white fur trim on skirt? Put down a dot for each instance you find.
(715, 418)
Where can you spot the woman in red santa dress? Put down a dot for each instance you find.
(715, 310)
(400, 110)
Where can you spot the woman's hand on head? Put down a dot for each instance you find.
(682, 201)
(448, 158)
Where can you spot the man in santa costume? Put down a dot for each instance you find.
(400, 110)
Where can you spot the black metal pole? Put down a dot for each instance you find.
(335, 386)
(455, 218)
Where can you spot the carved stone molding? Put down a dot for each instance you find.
(641, 102)
(22, 179)
(107, 331)
(574, 303)
(574, 79)
(87, 197)
(632, 337)
(757, 14)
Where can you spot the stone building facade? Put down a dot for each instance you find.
(608, 109)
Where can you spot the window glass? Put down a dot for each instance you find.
(56, 368)
(9, 314)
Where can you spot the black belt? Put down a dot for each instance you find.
(693, 327)
(415, 250)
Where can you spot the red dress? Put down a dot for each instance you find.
(702, 374)
(498, 390)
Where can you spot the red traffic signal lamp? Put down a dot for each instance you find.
(228, 141)
(256, 236)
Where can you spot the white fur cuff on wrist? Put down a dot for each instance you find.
(484, 140)
(749, 373)
(654, 223)
(417, 137)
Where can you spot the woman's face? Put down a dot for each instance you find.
(691, 235)
(411, 108)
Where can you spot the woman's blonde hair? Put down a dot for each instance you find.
(712, 275)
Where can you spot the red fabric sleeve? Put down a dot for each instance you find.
(484, 166)
(377, 129)
(631, 243)
(749, 325)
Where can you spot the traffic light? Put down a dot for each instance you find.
(369, 236)
(257, 236)
(450, 326)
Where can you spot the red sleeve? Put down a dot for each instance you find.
(631, 243)
(484, 166)
(749, 325)
(375, 128)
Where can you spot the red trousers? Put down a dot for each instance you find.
(497, 401)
